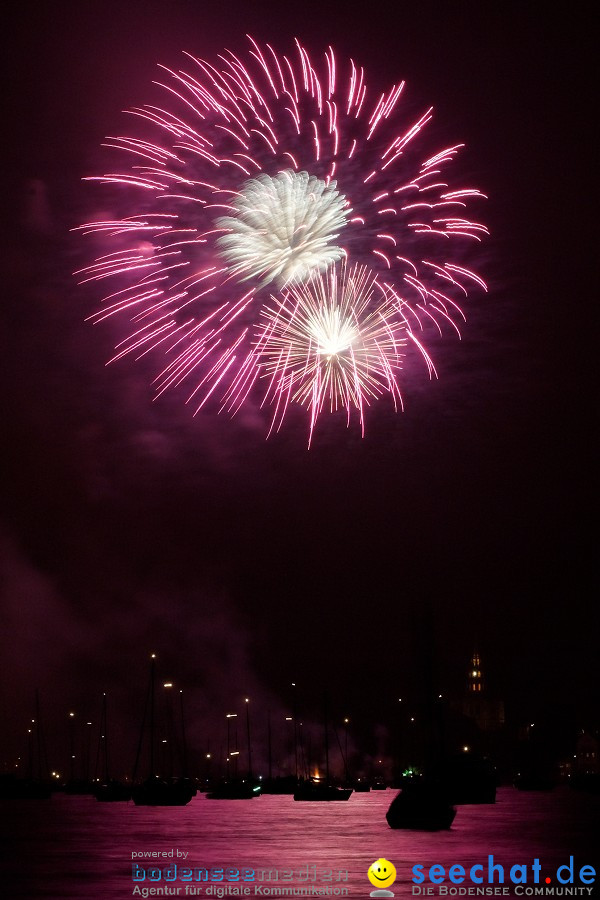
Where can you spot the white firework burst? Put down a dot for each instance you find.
(336, 341)
(284, 228)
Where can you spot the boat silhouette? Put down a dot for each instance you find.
(281, 784)
(421, 806)
(32, 786)
(109, 790)
(12, 788)
(157, 790)
(315, 789)
(236, 789)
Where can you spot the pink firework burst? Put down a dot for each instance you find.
(267, 172)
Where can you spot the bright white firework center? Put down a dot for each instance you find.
(333, 332)
(284, 227)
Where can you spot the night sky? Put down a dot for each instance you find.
(127, 526)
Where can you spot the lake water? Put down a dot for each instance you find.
(75, 847)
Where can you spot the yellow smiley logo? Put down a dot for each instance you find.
(381, 873)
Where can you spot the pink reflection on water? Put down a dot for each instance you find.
(75, 847)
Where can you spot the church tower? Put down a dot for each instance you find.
(487, 712)
(475, 684)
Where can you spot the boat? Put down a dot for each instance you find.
(362, 786)
(317, 789)
(109, 790)
(156, 790)
(12, 788)
(112, 791)
(79, 787)
(421, 806)
(30, 787)
(236, 789)
(281, 784)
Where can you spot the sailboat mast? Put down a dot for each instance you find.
(295, 711)
(269, 745)
(42, 761)
(152, 715)
(326, 743)
(104, 733)
(248, 737)
(183, 736)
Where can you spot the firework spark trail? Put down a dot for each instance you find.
(265, 170)
(336, 340)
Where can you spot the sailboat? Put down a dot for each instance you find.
(425, 802)
(315, 788)
(157, 791)
(279, 784)
(30, 787)
(236, 788)
(240, 789)
(110, 790)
